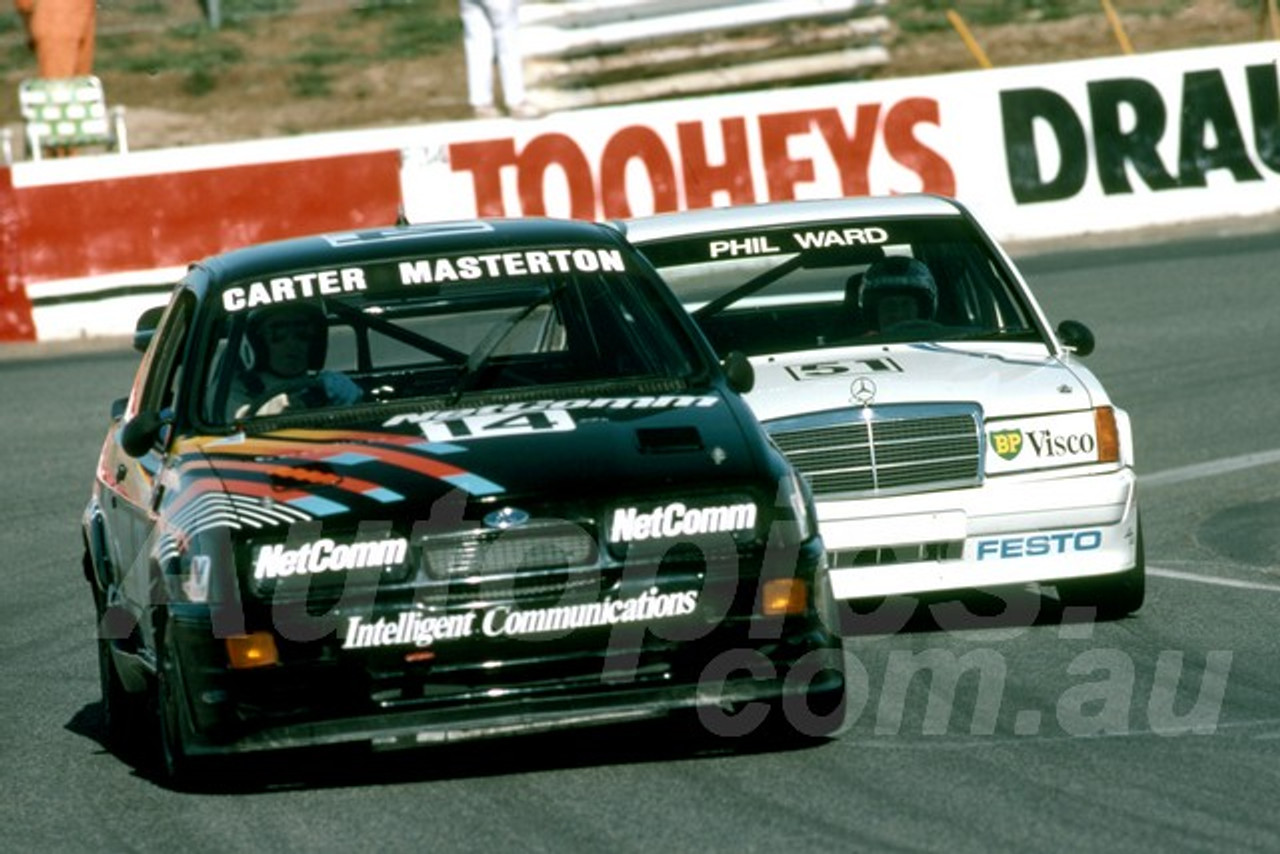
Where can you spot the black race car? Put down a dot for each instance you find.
(439, 482)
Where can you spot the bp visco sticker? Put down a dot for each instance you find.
(1023, 444)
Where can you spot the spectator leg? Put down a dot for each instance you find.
(506, 26)
(477, 39)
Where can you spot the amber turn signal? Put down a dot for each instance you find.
(1104, 420)
(253, 650)
(784, 597)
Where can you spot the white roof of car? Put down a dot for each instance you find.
(684, 223)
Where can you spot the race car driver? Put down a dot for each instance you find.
(896, 290)
(283, 351)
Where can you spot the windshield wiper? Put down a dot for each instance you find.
(470, 372)
(998, 335)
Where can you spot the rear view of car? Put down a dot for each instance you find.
(445, 482)
(953, 439)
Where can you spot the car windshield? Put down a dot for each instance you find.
(809, 286)
(406, 329)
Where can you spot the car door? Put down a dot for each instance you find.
(136, 484)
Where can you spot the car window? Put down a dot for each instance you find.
(398, 337)
(804, 287)
(164, 360)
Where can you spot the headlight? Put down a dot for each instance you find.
(794, 521)
(1052, 441)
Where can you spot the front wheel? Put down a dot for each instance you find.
(813, 717)
(1113, 596)
(816, 713)
(179, 766)
(124, 714)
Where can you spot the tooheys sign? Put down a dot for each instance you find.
(682, 154)
(1126, 121)
(1034, 149)
(1165, 138)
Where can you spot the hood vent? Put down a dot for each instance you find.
(669, 440)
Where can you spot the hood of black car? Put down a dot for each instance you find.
(557, 458)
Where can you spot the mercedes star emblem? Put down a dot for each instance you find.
(863, 391)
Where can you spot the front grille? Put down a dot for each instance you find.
(487, 553)
(889, 449)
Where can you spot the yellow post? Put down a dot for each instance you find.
(1117, 27)
(970, 42)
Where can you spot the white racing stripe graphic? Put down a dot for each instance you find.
(215, 510)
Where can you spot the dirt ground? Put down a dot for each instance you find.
(251, 100)
(1198, 23)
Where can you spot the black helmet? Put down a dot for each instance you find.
(898, 274)
(253, 353)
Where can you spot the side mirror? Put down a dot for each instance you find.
(145, 328)
(139, 433)
(737, 367)
(1076, 337)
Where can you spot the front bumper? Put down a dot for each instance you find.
(497, 716)
(322, 693)
(1015, 529)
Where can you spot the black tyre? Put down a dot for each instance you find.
(182, 769)
(1112, 596)
(125, 715)
(817, 715)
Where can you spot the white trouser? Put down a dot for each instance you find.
(489, 26)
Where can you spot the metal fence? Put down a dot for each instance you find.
(586, 52)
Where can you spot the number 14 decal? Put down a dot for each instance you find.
(826, 370)
(485, 426)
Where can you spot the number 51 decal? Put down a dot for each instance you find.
(824, 370)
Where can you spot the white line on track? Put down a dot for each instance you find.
(1211, 579)
(1210, 469)
(1197, 471)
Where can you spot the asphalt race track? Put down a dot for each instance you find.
(990, 724)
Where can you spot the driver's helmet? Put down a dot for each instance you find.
(898, 274)
(308, 316)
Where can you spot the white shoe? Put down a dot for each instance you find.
(485, 111)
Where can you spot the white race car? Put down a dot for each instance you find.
(952, 437)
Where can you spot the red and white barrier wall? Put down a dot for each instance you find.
(1038, 152)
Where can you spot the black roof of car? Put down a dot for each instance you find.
(355, 247)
